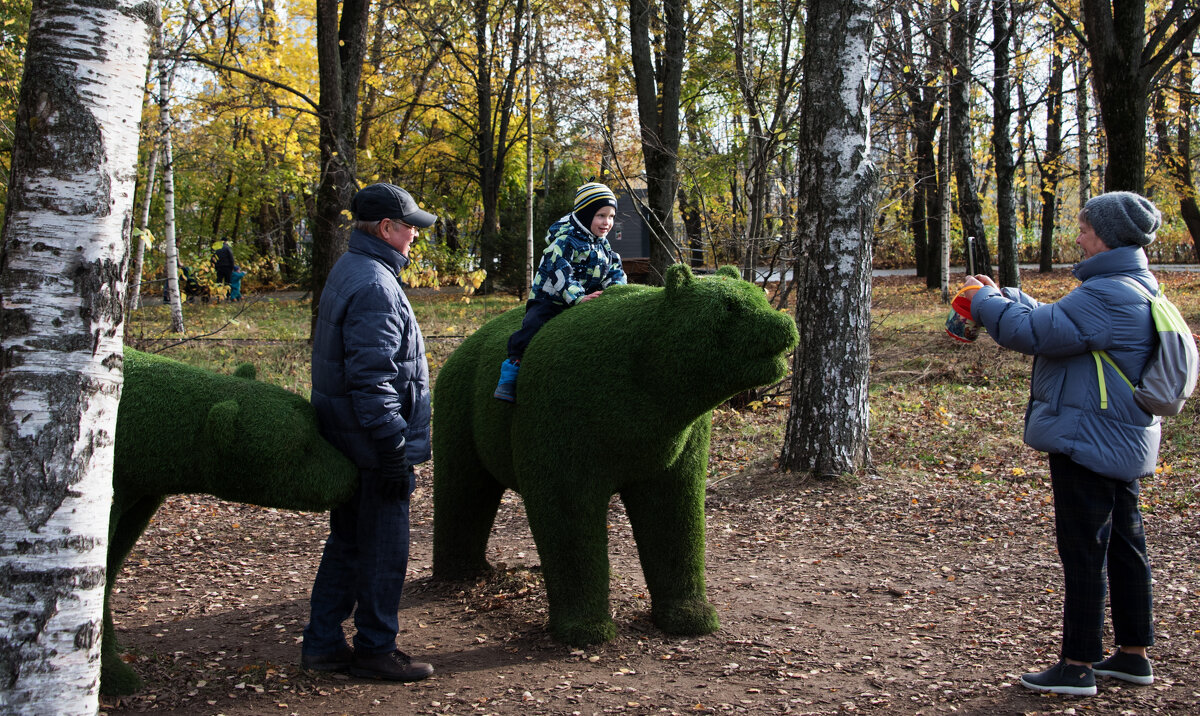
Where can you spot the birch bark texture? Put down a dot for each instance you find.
(62, 290)
(827, 422)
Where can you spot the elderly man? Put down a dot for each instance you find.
(370, 387)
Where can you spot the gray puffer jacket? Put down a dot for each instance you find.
(1105, 313)
(370, 378)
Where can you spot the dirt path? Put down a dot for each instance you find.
(900, 595)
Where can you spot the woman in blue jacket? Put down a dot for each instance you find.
(1100, 442)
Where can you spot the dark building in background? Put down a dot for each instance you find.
(630, 237)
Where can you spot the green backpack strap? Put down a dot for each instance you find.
(1106, 358)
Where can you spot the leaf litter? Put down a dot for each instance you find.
(926, 585)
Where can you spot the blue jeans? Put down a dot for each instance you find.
(1102, 546)
(537, 314)
(362, 572)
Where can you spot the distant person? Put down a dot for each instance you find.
(189, 285)
(1100, 442)
(370, 388)
(577, 265)
(235, 283)
(223, 262)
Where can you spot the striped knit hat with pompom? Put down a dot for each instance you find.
(589, 198)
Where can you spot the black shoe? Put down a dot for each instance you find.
(1125, 666)
(1063, 678)
(394, 665)
(339, 660)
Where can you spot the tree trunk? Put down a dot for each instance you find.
(494, 113)
(926, 239)
(1187, 198)
(1025, 199)
(1116, 34)
(1051, 165)
(916, 222)
(169, 247)
(1177, 157)
(828, 418)
(658, 79)
(945, 211)
(62, 288)
(1082, 154)
(1124, 69)
(936, 217)
(530, 250)
(341, 46)
(923, 123)
(970, 210)
(692, 228)
(139, 254)
(134, 290)
(1006, 210)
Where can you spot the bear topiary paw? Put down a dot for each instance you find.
(688, 617)
(116, 677)
(585, 633)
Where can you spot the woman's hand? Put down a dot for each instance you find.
(983, 279)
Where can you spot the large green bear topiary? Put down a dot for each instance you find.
(181, 429)
(615, 396)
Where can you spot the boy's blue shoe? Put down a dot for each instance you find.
(506, 389)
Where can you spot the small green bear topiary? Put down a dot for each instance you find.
(182, 429)
(615, 396)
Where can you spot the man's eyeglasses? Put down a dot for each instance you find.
(398, 222)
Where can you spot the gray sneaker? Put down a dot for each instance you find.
(1063, 678)
(1125, 666)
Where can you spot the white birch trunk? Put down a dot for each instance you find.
(165, 80)
(944, 195)
(139, 254)
(62, 291)
(828, 419)
(133, 294)
(944, 164)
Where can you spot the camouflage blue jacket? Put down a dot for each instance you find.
(574, 264)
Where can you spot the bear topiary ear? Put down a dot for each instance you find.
(246, 370)
(678, 275)
(729, 271)
(221, 426)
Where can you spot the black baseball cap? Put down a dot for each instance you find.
(388, 201)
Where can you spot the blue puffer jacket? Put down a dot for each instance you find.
(369, 374)
(1105, 313)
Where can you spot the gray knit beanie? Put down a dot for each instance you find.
(1122, 218)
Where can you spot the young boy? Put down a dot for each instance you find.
(576, 266)
(235, 283)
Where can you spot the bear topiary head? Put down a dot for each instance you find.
(729, 338)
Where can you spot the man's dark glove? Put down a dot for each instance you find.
(393, 471)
